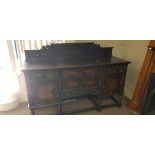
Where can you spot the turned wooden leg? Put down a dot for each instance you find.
(99, 104)
(89, 97)
(61, 112)
(120, 101)
(32, 111)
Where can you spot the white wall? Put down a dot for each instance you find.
(117, 44)
(134, 51)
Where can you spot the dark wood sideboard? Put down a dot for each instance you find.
(61, 72)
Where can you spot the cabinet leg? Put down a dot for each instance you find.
(89, 97)
(120, 101)
(99, 104)
(32, 111)
(61, 111)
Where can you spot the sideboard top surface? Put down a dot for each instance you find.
(62, 64)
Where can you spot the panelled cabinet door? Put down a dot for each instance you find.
(71, 82)
(112, 79)
(80, 82)
(71, 79)
(44, 87)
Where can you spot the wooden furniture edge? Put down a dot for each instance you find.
(136, 104)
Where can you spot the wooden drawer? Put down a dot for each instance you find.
(44, 75)
(70, 84)
(81, 73)
(77, 84)
(114, 69)
(72, 73)
(90, 83)
(79, 78)
(91, 73)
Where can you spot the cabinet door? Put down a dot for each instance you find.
(112, 79)
(71, 79)
(80, 82)
(43, 87)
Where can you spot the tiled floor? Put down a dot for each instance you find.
(22, 109)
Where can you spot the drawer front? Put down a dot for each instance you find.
(70, 84)
(114, 70)
(43, 75)
(90, 83)
(80, 78)
(78, 84)
(91, 73)
(72, 73)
